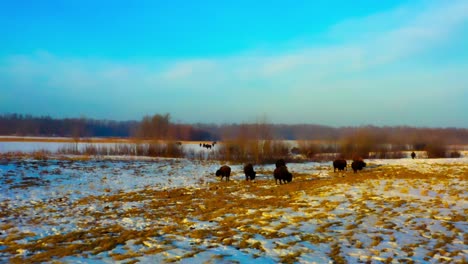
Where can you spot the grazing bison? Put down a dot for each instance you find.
(413, 155)
(280, 163)
(249, 172)
(282, 174)
(224, 171)
(207, 146)
(339, 164)
(358, 164)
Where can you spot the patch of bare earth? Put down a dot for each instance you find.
(386, 214)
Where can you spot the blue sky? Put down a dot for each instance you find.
(333, 62)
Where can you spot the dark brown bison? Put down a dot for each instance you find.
(207, 146)
(339, 164)
(249, 172)
(280, 163)
(282, 174)
(413, 155)
(224, 171)
(358, 164)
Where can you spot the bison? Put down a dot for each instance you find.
(207, 146)
(280, 163)
(358, 164)
(224, 171)
(282, 174)
(249, 172)
(413, 155)
(339, 164)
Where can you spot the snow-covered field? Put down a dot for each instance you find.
(152, 210)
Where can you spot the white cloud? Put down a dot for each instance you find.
(311, 73)
(187, 69)
(421, 29)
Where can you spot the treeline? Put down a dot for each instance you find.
(394, 134)
(161, 127)
(28, 125)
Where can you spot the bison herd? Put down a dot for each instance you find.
(281, 172)
(208, 146)
(341, 164)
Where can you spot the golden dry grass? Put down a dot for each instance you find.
(235, 219)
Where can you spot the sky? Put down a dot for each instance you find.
(337, 63)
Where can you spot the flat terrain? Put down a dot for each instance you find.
(176, 210)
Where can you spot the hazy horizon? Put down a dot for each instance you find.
(331, 63)
(262, 120)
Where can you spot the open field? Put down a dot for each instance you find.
(175, 210)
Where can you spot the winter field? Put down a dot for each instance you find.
(75, 209)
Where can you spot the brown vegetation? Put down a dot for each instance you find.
(258, 142)
(236, 220)
(27, 125)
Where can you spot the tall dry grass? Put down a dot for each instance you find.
(153, 149)
(253, 151)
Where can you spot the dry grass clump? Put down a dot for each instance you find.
(335, 254)
(292, 257)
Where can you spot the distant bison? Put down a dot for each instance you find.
(282, 174)
(249, 172)
(339, 164)
(207, 146)
(280, 163)
(224, 171)
(413, 155)
(358, 164)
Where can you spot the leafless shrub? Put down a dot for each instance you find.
(68, 149)
(41, 154)
(419, 146)
(174, 150)
(308, 148)
(169, 149)
(384, 154)
(262, 151)
(296, 151)
(154, 149)
(279, 149)
(436, 149)
(90, 149)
